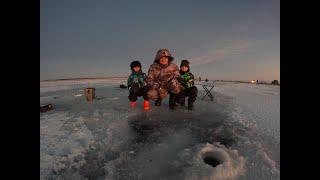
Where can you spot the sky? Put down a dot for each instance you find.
(222, 39)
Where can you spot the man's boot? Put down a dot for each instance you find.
(192, 98)
(157, 102)
(172, 101)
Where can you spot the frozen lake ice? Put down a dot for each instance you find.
(236, 136)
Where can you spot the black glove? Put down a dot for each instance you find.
(180, 80)
(134, 88)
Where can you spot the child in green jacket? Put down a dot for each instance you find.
(188, 88)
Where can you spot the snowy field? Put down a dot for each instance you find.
(236, 136)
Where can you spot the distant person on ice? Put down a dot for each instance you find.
(137, 85)
(188, 88)
(162, 79)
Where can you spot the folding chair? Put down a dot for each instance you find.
(208, 91)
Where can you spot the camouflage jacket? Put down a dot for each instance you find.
(137, 79)
(187, 80)
(161, 76)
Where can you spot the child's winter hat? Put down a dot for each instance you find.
(184, 63)
(135, 64)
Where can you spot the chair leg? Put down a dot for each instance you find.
(205, 88)
(208, 92)
(211, 96)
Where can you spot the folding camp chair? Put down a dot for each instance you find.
(208, 91)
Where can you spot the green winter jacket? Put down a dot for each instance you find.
(137, 78)
(187, 80)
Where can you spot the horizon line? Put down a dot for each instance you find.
(108, 77)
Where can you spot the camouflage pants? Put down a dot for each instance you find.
(173, 87)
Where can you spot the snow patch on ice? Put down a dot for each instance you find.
(64, 140)
(255, 105)
(271, 163)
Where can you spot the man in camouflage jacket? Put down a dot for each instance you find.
(162, 79)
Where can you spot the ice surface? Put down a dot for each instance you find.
(107, 139)
(255, 104)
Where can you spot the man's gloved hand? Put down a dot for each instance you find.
(180, 80)
(163, 92)
(156, 85)
(164, 86)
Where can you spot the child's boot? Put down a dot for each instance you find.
(133, 103)
(146, 105)
(182, 104)
(172, 101)
(157, 102)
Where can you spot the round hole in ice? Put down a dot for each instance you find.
(212, 161)
(213, 156)
(215, 161)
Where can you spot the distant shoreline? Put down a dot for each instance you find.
(123, 77)
(66, 79)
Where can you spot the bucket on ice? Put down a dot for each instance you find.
(90, 93)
